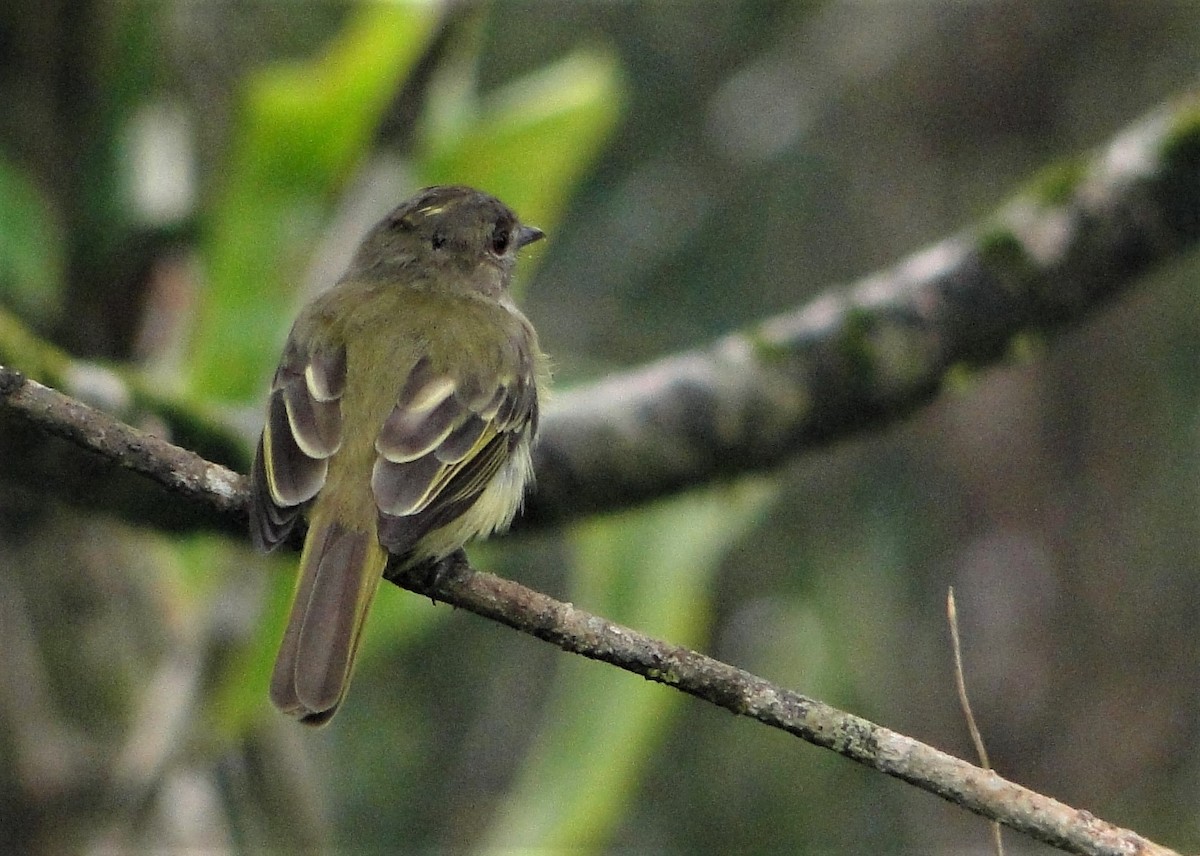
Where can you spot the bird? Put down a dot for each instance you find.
(399, 423)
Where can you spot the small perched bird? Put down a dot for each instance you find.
(399, 422)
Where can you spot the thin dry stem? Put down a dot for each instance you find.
(964, 702)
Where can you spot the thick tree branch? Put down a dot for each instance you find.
(574, 630)
(850, 360)
(870, 354)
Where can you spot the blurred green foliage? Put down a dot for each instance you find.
(31, 261)
(532, 140)
(300, 130)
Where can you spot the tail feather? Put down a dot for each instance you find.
(340, 571)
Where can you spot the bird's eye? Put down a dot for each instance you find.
(437, 241)
(500, 241)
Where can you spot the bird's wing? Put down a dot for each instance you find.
(445, 440)
(303, 428)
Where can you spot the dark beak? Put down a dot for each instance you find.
(528, 234)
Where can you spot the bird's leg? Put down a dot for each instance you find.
(430, 575)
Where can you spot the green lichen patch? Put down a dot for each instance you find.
(1056, 184)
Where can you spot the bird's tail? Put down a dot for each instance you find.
(340, 570)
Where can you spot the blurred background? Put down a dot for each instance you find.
(177, 177)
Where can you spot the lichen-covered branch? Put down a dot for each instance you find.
(852, 359)
(224, 492)
(120, 391)
(859, 357)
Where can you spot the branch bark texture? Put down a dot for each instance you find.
(744, 694)
(860, 357)
(180, 471)
(572, 629)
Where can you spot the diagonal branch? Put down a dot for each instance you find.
(860, 357)
(577, 631)
(178, 470)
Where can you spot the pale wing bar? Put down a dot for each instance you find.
(303, 430)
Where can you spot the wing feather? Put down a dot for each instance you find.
(445, 440)
(404, 488)
(303, 429)
(325, 374)
(270, 525)
(293, 475)
(316, 425)
(408, 434)
(461, 442)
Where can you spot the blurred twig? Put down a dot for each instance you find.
(574, 630)
(964, 701)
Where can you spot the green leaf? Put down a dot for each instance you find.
(531, 142)
(300, 130)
